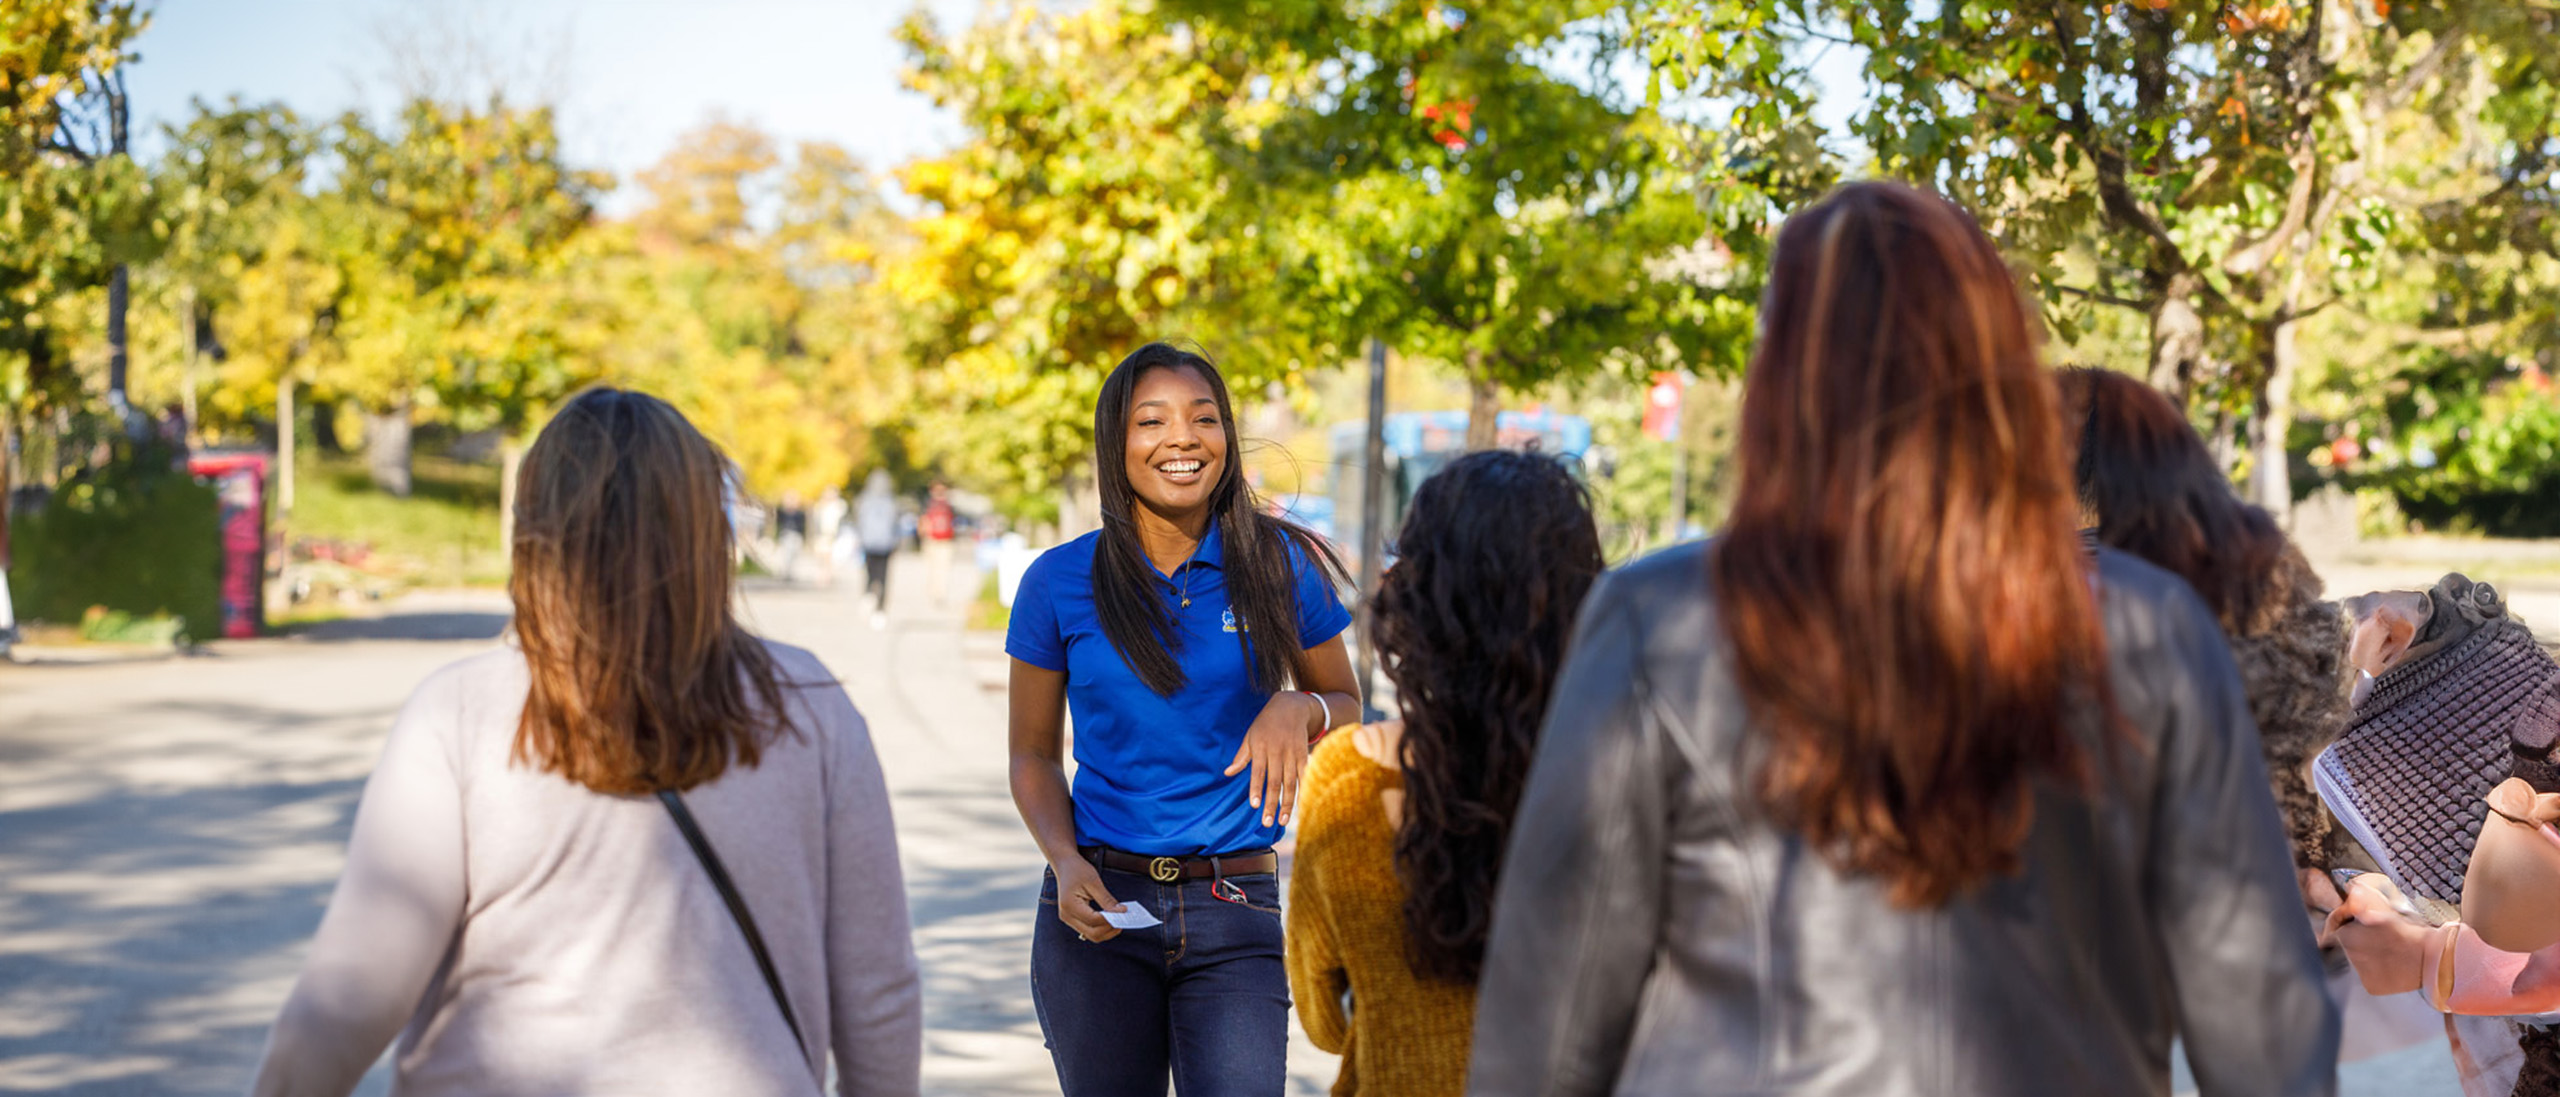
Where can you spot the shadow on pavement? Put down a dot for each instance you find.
(409, 626)
(144, 933)
(169, 835)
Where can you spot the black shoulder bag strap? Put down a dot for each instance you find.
(737, 905)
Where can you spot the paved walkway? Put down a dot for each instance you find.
(169, 832)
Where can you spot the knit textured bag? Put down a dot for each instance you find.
(2408, 776)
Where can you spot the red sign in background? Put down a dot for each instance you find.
(240, 480)
(1662, 407)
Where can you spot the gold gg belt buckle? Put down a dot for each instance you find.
(1165, 870)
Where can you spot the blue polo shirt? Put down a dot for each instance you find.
(1150, 769)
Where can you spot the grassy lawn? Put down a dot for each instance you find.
(444, 534)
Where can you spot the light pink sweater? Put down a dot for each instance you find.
(535, 937)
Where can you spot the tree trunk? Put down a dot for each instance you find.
(324, 429)
(117, 402)
(284, 446)
(510, 460)
(2271, 472)
(119, 114)
(8, 450)
(1484, 405)
(386, 449)
(187, 391)
(1079, 507)
(2225, 442)
(2177, 338)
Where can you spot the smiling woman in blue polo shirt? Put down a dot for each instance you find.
(1197, 641)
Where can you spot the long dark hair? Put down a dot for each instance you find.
(1492, 565)
(2158, 494)
(1911, 617)
(643, 679)
(1261, 580)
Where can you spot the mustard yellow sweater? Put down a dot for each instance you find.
(1402, 1036)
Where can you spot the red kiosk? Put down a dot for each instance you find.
(240, 479)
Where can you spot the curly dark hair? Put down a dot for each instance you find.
(1492, 565)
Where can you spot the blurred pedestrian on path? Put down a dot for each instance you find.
(939, 527)
(680, 874)
(1888, 790)
(1405, 821)
(1176, 633)
(875, 525)
(826, 520)
(791, 529)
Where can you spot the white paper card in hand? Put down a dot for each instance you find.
(1134, 917)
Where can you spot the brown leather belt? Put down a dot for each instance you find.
(1166, 870)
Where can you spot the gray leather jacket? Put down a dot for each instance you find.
(1654, 935)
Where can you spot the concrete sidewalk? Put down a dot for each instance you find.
(170, 831)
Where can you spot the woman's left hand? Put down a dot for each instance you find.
(2387, 947)
(1276, 748)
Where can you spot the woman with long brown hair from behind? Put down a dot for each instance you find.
(640, 851)
(1884, 791)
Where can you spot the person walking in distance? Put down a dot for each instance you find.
(640, 850)
(939, 529)
(1892, 790)
(1400, 841)
(826, 521)
(791, 525)
(875, 525)
(1198, 642)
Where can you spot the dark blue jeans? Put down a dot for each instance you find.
(1202, 998)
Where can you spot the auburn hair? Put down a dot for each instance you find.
(2157, 493)
(1912, 620)
(642, 677)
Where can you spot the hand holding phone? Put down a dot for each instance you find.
(2382, 885)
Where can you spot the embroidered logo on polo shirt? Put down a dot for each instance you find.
(1228, 619)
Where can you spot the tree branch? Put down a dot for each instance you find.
(2252, 256)
(2402, 90)
(2100, 297)
(2465, 336)
(2115, 194)
(69, 148)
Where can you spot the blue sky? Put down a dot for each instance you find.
(627, 75)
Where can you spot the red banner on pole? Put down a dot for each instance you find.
(1662, 407)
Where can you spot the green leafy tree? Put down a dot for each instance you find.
(1087, 212)
(2218, 168)
(775, 338)
(1474, 186)
(74, 210)
(451, 235)
(248, 260)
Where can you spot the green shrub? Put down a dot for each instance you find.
(114, 626)
(988, 613)
(135, 536)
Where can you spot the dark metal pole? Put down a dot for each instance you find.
(1373, 517)
(1678, 518)
(119, 111)
(116, 294)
